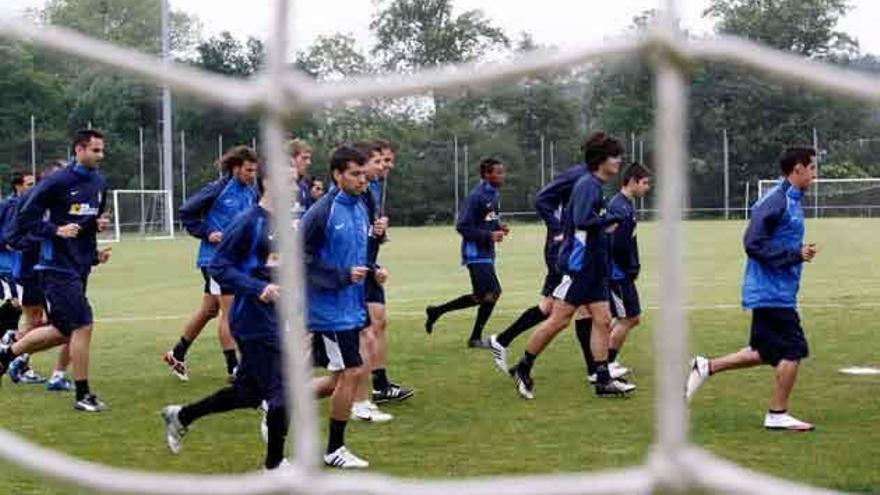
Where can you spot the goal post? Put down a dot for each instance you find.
(847, 197)
(140, 214)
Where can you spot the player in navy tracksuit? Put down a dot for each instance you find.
(10, 311)
(300, 161)
(774, 244)
(625, 306)
(480, 227)
(206, 215)
(583, 258)
(335, 235)
(245, 262)
(63, 210)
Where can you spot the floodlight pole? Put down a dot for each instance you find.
(141, 185)
(455, 153)
(167, 145)
(182, 166)
(33, 146)
(816, 182)
(542, 160)
(726, 177)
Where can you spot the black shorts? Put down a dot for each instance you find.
(777, 335)
(8, 288)
(484, 281)
(554, 274)
(212, 287)
(259, 376)
(581, 289)
(30, 293)
(337, 351)
(624, 298)
(374, 292)
(66, 302)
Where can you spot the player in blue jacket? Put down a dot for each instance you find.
(206, 215)
(300, 161)
(774, 245)
(63, 211)
(480, 227)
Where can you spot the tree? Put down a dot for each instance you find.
(332, 58)
(227, 55)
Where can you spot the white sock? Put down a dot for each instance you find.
(58, 374)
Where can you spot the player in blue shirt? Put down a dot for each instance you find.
(205, 215)
(300, 161)
(774, 245)
(480, 227)
(63, 211)
(583, 259)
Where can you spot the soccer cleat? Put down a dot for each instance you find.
(31, 377)
(174, 429)
(17, 368)
(616, 374)
(284, 464)
(393, 392)
(617, 370)
(342, 458)
(478, 344)
(367, 411)
(264, 421)
(786, 422)
(178, 367)
(9, 337)
(614, 388)
(524, 385)
(499, 353)
(59, 384)
(430, 318)
(697, 377)
(90, 403)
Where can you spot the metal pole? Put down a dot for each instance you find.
(746, 201)
(632, 146)
(816, 182)
(219, 153)
(455, 145)
(552, 159)
(642, 153)
(254, 144)
(542, 161)
(466, 163)
(33, 146)
(726, 177)
(142, 187)
(167, 136)
(182, 166)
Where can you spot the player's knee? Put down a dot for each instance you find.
(491, 297)
(634, 321)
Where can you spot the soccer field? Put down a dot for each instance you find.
(466, 419)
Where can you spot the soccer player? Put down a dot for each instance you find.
(335, 237)
(776, 253)
(245, 262)
(63, 210)
(625, 306)
(480, 228)
(300, 161)
(583, 258)
(205, 216)
(316, 189)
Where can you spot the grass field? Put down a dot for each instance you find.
(466, 418)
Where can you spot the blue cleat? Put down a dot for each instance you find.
(17, 368)
(59, 384)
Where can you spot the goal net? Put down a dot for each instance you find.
(855, 197)
(138, 214)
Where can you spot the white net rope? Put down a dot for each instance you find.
(281, 93)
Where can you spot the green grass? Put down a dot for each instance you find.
(466, 419)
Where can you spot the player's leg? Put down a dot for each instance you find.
(499, 343)
(599, 340)
(208, 309)
(487, 290)
(383, 389)
(224, 334)
(362, 408)
(626, 310)
(583, 331)
(35, 341)
(433, 313)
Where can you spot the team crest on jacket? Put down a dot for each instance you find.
(491, 216)
(83, 209)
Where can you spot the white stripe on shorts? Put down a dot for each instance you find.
(561, 290)
(7, 291)
(213, 287)
(334, 354)
(618, 304)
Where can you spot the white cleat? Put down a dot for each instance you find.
(283, 465)
(264, 422)
(786, 422)
(499, 353)
(174, 429)
(614, 388)
(368, 411)
(697, 377)
(342, 458)
(616, 373)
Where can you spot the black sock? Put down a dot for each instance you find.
(583, 328)
(483, 315)
(82, 389)
(771, 411)
(602, 374)
(225, 399)
(525, 364)
(380, 379)
(526, 320)
(337, 435)
(6, 356)
(231, 360)
(180, 349)
(462, 302)
(276, 421)
(612, 354)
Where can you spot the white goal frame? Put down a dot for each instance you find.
(117, 223)
(280, 93)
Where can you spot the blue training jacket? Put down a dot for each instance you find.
(335, 231)
(550, 203)
(773, 243)
(477, 219)
(74, 194)
(212, 209)
(624, 246)
(373, 201)
(26, 247)
(245, 262)
(585, 247)
(8, 208)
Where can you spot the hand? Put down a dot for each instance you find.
(808, 252)
(68, 231)
(611, 228)
(380, 226)
(505, 228)
(215, 237)
(381, 276)
(559, 238)
(270, 293)
(498, 235)
(359, 273)
(104, 254)
(103, 222)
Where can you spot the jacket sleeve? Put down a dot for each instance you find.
(547, 202)
(193, 211)
(583, 205)
(237, 245)
(30, 216)
(621, 239)
(7, 215)
(467, 223)
(758, 240)
(319, 273)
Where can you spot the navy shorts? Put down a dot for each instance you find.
(337, 351)
(624, 298)
(259, 376)
(212, 287)
(581, 289)
(484, 281)
(8, 288)
(66, 301)
(375, 293)
(30, 293)
(777, 335)
(554, 274)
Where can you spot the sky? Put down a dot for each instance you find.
(552, 22)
